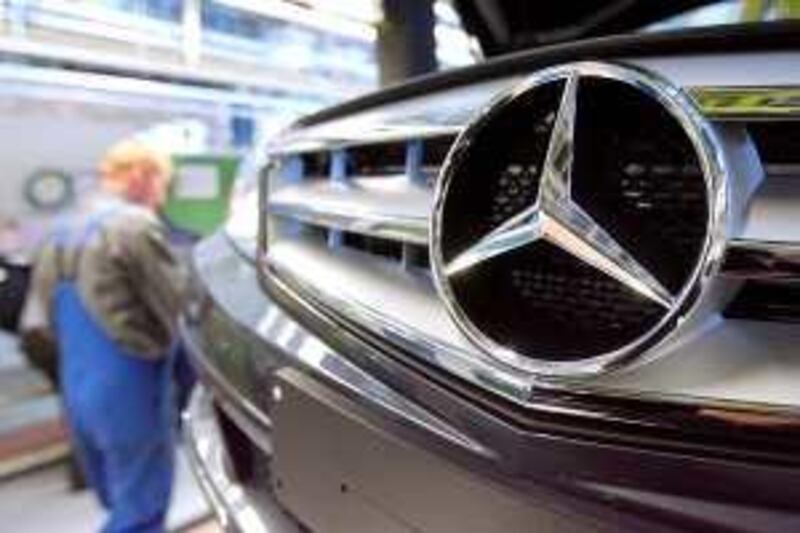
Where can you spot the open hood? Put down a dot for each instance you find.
(504, 26)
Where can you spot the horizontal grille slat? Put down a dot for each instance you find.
(767, 249)
(379, 189)
(394, 212)
(342, 275)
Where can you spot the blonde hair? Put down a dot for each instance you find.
(125, 155)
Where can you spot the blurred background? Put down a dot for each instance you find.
(205, 81)
(194, 77)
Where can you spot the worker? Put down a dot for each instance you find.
(107, 289)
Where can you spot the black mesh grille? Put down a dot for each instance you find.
(373, 245)
(385, 159)
(778, 145)
(379, 159)
(516, 190)
(316, 165)
(774, 301)
(638, 176)
(539, 300)
(777, 142)
(434, 151)
(496, 175)
(635, 172)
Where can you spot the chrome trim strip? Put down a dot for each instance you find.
(393, 214)
(349, 134)
(762, 260)
(448, 112)
(236, 510)
(748, 103)
(258, 419)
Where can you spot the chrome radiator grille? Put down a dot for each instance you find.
(348, 209)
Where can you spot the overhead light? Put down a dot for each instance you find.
(314, 14)
(366, 11)
(445, 12)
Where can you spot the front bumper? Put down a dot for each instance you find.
(334, 467)
(352, 442)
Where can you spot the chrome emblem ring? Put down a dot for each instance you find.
(465, 262)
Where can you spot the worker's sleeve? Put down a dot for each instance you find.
(160, 279)
(37, 331)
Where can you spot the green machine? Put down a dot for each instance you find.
(199, 192)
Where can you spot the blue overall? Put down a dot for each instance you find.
(119, 410)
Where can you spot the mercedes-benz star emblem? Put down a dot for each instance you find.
(555, 216)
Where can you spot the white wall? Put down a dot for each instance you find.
(69, 136)
(36, 134)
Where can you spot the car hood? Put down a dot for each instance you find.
(504, 26)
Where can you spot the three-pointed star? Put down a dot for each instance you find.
(556, 218)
